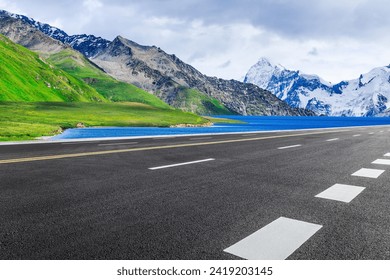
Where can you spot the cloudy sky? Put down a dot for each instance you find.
(336, 39)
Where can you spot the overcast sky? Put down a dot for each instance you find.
(336, 39)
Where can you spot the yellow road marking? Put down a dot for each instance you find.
(63, 156)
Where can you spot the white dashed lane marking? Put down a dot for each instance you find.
(387, 155)
(356, 135)
(289, 147)
(368, 173)
(276, 241)
(382, 161)
(340, 192)
(333, 139)
(371, 133)
(180, 164)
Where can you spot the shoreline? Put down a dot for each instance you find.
(187, 129)
(81, 125)
(23, 142)
(208, 124)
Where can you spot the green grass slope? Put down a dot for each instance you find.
(29, 120)
(78, 66)
(24, 76)
(194, 101)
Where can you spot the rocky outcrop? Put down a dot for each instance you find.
(192, 125)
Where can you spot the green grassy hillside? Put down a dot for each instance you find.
(26, 77)
(78, 66)
(195, 101)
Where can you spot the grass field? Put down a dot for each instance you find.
(27, 121)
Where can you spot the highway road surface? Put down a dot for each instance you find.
(314, 194)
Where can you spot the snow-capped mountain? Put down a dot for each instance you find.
(369, 95)
(89, 45)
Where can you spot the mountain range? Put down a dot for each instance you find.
(146, 67)
(368, 95)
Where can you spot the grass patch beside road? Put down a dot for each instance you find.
(27, 121)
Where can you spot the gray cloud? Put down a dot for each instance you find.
(296, 19)
(225, 64)
(299, 19)
(313, 52)
(351, 34)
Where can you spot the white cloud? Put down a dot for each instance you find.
(10, 6)
(57, 22)
(92, 4)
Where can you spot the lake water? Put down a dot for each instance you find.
(253, 123)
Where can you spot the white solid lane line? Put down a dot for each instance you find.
(164, 137)
(79, 143)
(368, 173)
(340, 192)
(289, 147)
(333, 139)
(180, 164)
(119, 144)
(275, 241)
(382, 161)
(201, 138)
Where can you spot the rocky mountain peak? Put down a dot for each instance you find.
(18, 31)
(267, 63)
(261, 73)
(47, 29)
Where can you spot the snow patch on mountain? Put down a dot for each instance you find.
(369, 95)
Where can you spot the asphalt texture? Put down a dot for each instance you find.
(112, 206)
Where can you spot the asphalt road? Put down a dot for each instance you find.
(102, 200)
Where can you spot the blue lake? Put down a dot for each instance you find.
(253, 123)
